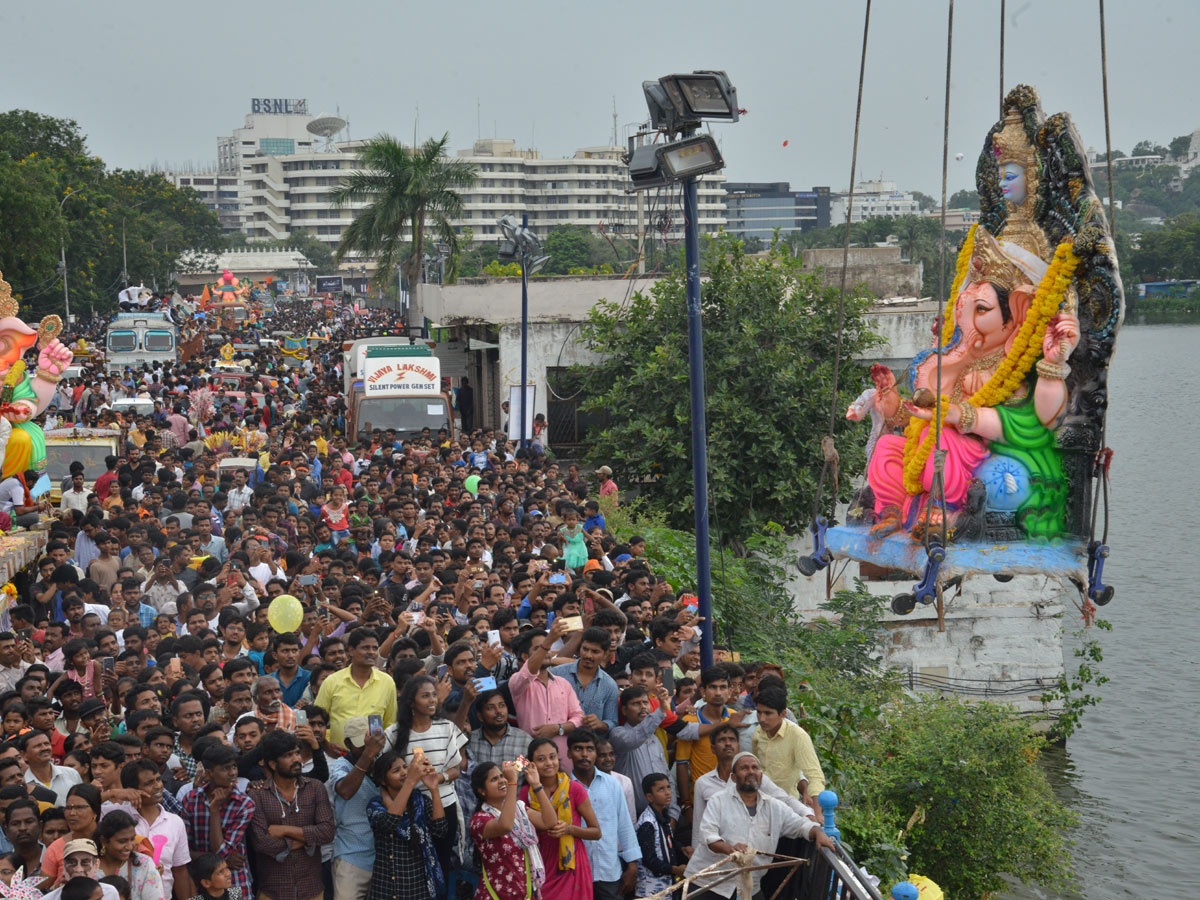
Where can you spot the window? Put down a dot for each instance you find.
(277, 146)
(122, 341)
(159, 341)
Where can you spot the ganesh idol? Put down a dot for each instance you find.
(993, 391)
(23, 397)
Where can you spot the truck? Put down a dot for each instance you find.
(86, 445)
(400, 388)
(134, 339)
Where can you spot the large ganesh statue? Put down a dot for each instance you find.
(1019, 361)
(22, 397)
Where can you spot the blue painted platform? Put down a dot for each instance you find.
(1067, 559)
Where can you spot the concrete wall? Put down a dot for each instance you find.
(498, 300)
(1002, 642)
(906, 331)
(882, 269)
(551, 344)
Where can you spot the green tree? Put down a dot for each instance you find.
(407, 190)
(30, 228)
(927, 203)
(315, 250)
(770, 337)
(1179, 146)
(1149, 148)
(569, 247)
(963, 200)
(1171, 252)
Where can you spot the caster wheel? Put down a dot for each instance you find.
(1105, 596)
(903, 604)
(1003, 579)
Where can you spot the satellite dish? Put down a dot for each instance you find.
(327, 127)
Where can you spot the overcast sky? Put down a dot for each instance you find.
(159, 81)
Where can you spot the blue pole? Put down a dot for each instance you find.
(828, 801)
(699, 427)
(524, 330)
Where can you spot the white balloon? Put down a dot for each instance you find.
(958, 156)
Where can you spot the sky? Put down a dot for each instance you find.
(158, 82)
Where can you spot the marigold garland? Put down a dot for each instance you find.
(1011, 373)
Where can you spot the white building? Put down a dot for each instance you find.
(220, 193)
(282, 193)
(873, 199)
(272, 128)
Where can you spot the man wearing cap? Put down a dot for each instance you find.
(743, 819)
(353, 789)
(81, 864)
(608, 487)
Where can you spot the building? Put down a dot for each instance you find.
(883, 270)
(874, 199)
(218, 192)
(273, 127)
(1148, 161)
(957, 218)
(759, 209)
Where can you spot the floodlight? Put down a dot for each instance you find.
(507, 249)
(691, 157)
(655, 165)
(536, 264)
(704, 94)
(663, 114)
(509, 225)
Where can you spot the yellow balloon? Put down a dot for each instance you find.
(925, 886)
(285, 613)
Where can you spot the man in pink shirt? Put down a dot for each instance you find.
(546, 704)
(608, 487)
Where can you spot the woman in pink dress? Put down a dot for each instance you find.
(568, 871)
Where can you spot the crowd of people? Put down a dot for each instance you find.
(487, 692)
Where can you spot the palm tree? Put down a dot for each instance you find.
(407, 189)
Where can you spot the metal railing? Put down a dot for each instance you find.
(833, 875)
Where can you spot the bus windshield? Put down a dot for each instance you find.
(408, 415)
(122, 341)
(159, 341)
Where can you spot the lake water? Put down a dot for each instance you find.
(1132, 772)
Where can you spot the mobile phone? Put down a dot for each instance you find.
(487, 683)
(494, 638)
(418, 617)
(573, 623)
(109, 664)
(441, 671)
(557, 578)
(668, 679)
(25, 634)
(477, 584)
(589, 605)
(301, 717)
(307, 580)
(375, 725)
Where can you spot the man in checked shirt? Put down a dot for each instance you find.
(217, 815)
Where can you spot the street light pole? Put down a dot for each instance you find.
(62, 253)
(691, 245)
(524, 330)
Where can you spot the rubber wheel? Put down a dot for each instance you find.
(903, 604)
(1003, 579)
(1106, 596)
(807, 566)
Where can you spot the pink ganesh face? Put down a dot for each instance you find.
(15, 338)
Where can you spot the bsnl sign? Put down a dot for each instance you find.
(278, 106)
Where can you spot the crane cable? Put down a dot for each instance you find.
(938, 486)
(1104, 454)
(828, 450)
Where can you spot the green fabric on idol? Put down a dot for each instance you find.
(1044, 515)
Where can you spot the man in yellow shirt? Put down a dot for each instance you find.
(785, 750)
(359, 690)
(696, 758)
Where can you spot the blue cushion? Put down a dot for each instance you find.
(1007, 482)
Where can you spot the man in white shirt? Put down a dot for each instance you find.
(76, 498)
(725, 742)
(12, 667)
(35, 747)
(734, 821)
(240, 494)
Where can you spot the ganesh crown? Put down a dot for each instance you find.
(1011, 144)
(8, 303)
(990, 264)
